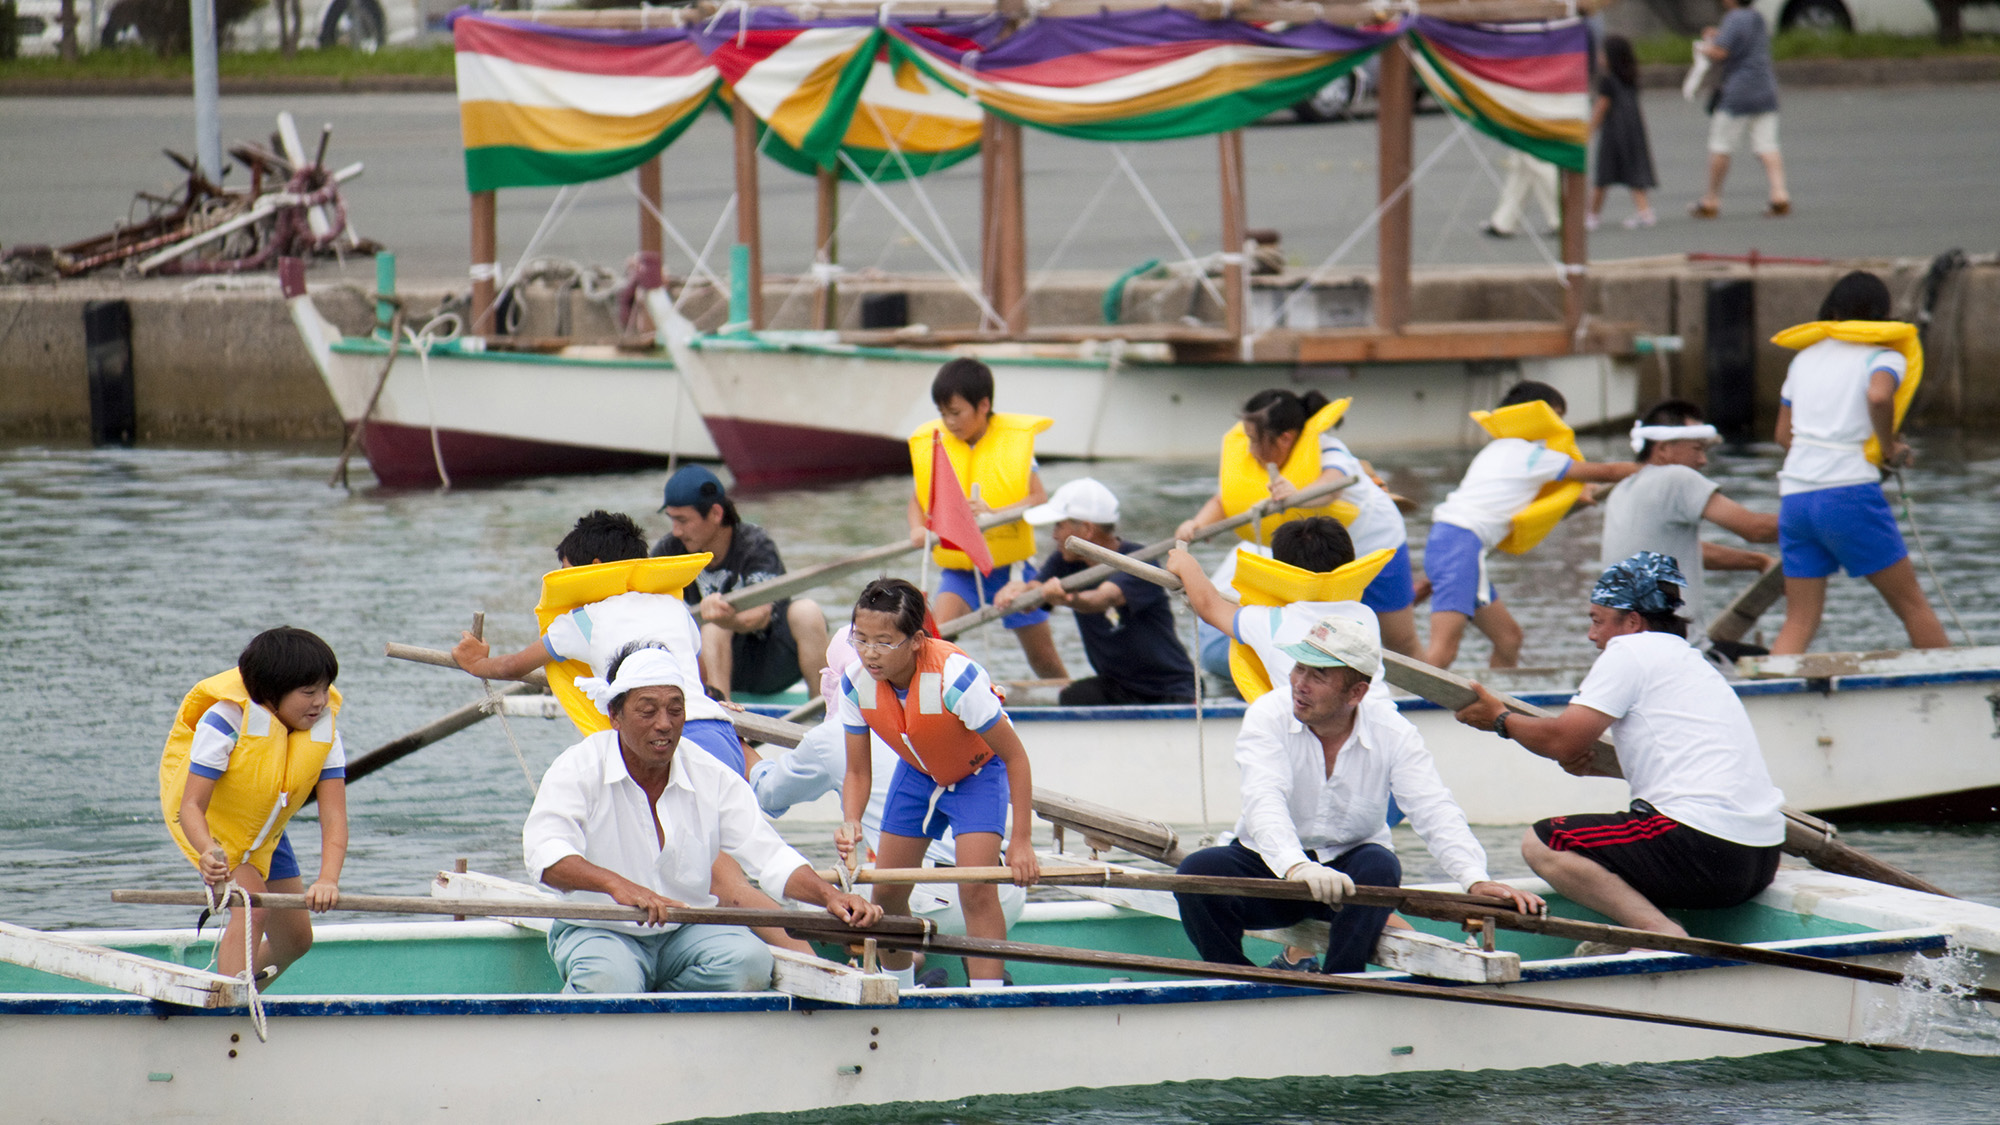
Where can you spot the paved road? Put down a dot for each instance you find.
(1884, 172)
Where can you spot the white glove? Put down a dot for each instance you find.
(1327, 885)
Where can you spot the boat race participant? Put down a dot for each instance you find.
(1705, 826)
(1283, 442)
(1838, 415)
(600, 633)
(961, 765)
(993, 456)
(1127, 623)
(248, 746)
(1319, 761)
(1660, 507)
(762, 650)
(1511, 496)
(622, 816)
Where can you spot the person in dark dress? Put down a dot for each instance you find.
(1624, 155)
(1127, 623)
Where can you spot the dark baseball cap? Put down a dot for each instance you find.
(693, 486)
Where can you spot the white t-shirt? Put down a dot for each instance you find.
(1503, 479)
(1659, 509)
(1379, 526)
(1684, 739)
(1827, 389)
(964, 689)
(596, 633)
(1266, 628)
(215, 738)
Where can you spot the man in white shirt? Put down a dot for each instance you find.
(1706, 825)
(1320, 760)
(623, 817)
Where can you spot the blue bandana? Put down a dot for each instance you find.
(1635, 584)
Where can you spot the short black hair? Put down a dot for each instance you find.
(1528, 390)
(899, 599)
(602, 536)
(965, 378)
(278, 662)
(1280, 411)
(1671, 412)
(1858, 296)
(1316, 543)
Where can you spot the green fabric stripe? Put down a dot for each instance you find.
(1562, 154)
(823, 139)
(509, 166)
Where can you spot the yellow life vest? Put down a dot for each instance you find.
(1893, 334)
(1242, 480)
(270, 774)
(571, 587)
(1000, 464)
(1535, 421)
(1268, 582)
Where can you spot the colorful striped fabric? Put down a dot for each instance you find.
(1526, 85)
(1145, 75)
(541, 106)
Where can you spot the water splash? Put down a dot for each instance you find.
(1933, 1009)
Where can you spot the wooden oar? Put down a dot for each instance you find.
(541, 908)
(1336, 982)
(1442, 906)
(397, 748)
(1742, 614)
(799, 581)
(1806, 836)
(1092, 576)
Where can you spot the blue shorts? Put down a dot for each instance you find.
(1850, 528)
(284, 865)
(1392, 589)
(977, 590)
(918, 806)
(1455, 562)
(718, 737)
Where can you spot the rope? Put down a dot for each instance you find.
(1042, 275)
(218, 901)
(700, 259)
(422, 344)
(1910, 513)
(986, 310)
(1160, 215)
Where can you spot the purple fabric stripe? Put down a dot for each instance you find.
(1483, 40)
(649, 38)
(1046, 39)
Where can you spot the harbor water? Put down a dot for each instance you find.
(128, 575)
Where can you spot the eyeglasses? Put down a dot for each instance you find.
(878, 646)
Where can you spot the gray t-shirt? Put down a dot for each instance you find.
(1749, 84)
(1659, 509)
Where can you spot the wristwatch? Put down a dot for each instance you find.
(1500, 725)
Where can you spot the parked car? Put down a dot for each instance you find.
(1890, 17)
(365, 25)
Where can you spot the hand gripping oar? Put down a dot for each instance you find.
(1092, 576)
(1806, 836)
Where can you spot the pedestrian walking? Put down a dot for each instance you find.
(1745, 104)
(1624, 154)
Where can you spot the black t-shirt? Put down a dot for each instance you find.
(752, 558)
(1132, 645)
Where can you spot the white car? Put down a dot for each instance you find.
(1890, 17)
(364, 24)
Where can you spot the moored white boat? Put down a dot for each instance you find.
(440, 1020)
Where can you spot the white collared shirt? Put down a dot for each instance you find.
(589, 805)
(1291, 805)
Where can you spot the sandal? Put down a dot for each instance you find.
(1778, 209)
(1702, 210)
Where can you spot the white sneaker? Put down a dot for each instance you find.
(1590, 221)
(1640, 220)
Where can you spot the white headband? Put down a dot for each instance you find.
(648, 667)
(1642, 433)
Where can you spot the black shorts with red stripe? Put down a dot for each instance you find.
(1670, 863)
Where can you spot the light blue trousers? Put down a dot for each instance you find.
(684, 959)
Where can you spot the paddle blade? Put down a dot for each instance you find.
(951, 518)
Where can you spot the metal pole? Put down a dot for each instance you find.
(207, 119)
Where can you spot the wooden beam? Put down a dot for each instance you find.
(1575, 248)
(748, 226)
(1234, 220)
(1012, 230)
(826, 244)
(485, 264)
(1394, 140)
(989, 211)
(115, 968)
(650, 237)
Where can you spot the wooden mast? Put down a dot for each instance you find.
(748, 233)
(1394, 140)
(1012, 231)
(485, 264)
(1575, 251)
(1234, 205)
(650, 238)
(826, 248)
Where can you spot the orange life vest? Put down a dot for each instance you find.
(922, 730)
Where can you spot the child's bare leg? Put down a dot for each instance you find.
(1399, 631)
(1898, 586)
(945, 606)
(1447, 629)
(981, 902)
(899, 852)
(1038, 641)
(1805, 601)
(1500, 627)
(734, 890)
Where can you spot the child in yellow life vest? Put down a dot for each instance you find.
(248, 746)
(1838, 415)
(962, 766)
(994, 457)
(1508, 477)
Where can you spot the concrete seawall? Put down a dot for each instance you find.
(224, 364)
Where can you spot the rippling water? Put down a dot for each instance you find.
(127, 575)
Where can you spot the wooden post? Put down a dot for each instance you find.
(827, 248)
(485, 266)
(989, 209)
(1394, 139)
(650, 238)
(1234, 270)
(747, 225)
(1012, 232)
(1575, 250)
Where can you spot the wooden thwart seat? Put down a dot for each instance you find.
(115, 968)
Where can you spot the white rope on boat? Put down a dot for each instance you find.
(1552, 260)
(1042, 275)
(218, 901)
(559, 209)
(986, 310)
(700, 260)
(917, 187)
(708, 247)
(1910, 513)
(422, 344)
(1160, 215)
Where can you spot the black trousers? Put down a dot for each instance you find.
(1215, 923)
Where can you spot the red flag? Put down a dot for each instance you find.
(951, 517)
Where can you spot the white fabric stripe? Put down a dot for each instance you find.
(1152, 79)
(941, 100)
(484, 78)
(766, 86)
(1530, 103)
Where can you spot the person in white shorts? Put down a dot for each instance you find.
(1746, 104)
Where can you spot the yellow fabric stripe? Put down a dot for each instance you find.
(487, 124)
(1217, 83)
(801, 109)
(914, 132)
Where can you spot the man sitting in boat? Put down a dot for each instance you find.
(624, 817)
(1705, 827)
(1320, 759)
(1127, 623)
(762, 650)
(1660, 507)
(993, 456)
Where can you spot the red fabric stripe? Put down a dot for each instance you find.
(524, 46)
(735, 57)
(1544, 74)
(1610, 835)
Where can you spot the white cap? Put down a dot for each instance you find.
(1336, 642)
(1085, 500)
